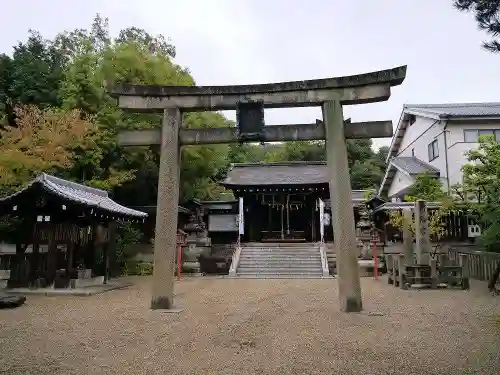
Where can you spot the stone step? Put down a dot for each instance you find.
(277, 274)
(281, 260)
(279, 244)
(280, 267)
(288, 253)
(286, 270)
(293, 252)
(273, 262)
(281, 277)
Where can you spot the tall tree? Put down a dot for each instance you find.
(483, 174)
(40, 141)
(135, 56)
(487, 14)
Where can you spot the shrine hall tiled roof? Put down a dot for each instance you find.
(77, 193)
(283, 173)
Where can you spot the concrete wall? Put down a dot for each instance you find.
(423, 131)
(457, 147)
(400, 182)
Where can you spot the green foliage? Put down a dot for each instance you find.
(426, 187)
(126, 234)
(482, 184)
(487, 17)
(132, 268)
(370, 193)
(430, 189)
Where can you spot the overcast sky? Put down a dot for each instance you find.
(258, 41)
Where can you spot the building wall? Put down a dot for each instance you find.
(423, 131)
(399, 182)
(457, 147)
(415, 143)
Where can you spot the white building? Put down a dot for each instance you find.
(434, 138)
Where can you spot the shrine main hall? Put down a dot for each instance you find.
(280, 202)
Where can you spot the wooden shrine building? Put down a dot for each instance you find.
(63, 230)
(287, 201)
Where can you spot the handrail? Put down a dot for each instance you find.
(235, 260)
(324, 259)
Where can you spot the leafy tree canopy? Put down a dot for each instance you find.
(487, 14)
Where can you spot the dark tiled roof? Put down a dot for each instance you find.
(152, 209)
(413, 165)
(408, 164)
(286, 173)
(457, 109)
(392, 206)
(77, 193)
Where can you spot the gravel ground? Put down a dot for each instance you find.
(254, 327)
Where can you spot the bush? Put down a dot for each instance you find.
(132, 268)
(138, 269)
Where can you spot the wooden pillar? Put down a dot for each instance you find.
(70, 245)
(111, 251)
(35, 264)
(401, 271)
(465, 271)
(408, 237)
(389, 261)
(51, 254)
(434, 273)
(166, 212)
(342, 212)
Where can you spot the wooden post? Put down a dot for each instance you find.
(166, 212)
(434, 275)
(51, 254)
(111, 267)
(465, 271)
(401, 271)
(390, 268)
(408, 237)
(342, 213)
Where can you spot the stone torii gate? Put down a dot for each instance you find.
(249, 102)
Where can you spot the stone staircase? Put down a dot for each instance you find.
(280, 260)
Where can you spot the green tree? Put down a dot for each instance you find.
(487, 14)
(426, 187)
(483, 174)
(97, 60)
(40, 141)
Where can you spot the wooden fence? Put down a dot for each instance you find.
(481, 264)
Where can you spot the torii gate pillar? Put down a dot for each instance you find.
(342, 212)
(166, 211)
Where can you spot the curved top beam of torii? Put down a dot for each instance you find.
(355, 89)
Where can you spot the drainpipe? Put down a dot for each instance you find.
(446, 156)
(445, 138)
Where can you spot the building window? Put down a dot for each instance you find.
(433, 150)
(413, 152)
(472, 135)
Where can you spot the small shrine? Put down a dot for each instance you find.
(67, 236)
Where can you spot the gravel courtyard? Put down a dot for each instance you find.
(254, 327)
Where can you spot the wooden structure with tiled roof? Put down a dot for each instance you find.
(281, 200)
(67, 226)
